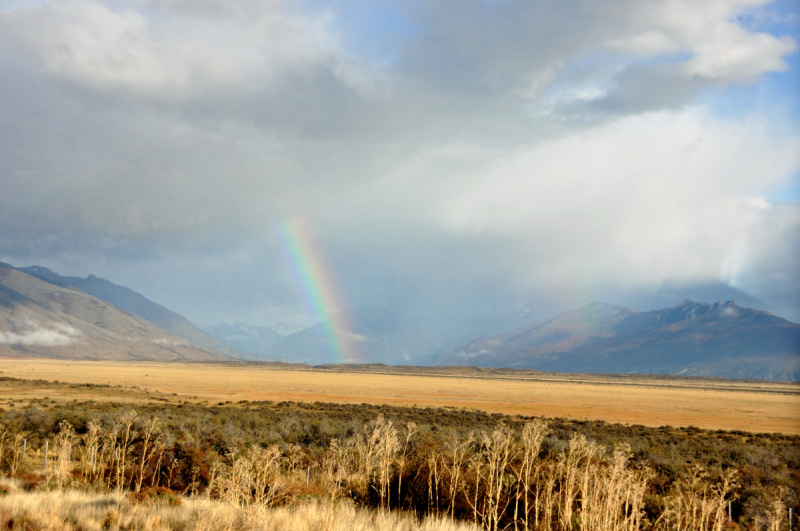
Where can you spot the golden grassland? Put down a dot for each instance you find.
(650, 401)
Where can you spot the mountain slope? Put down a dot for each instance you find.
(373, 335)
(136, 303)
(40, 319)
(691, 338)
(255, 340)
(377, 335)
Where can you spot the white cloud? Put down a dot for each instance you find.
(116, 51)
(647, 43)
(31, 333)
(357, 338)
(765, 257)
(169, 342)
(732, 54)
(659, 197)
(171, 51)
(719, 47)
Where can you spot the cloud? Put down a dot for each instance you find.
(173, 52)
(733, 54)
(30, 333)
(170, 342)
(765, 257)
(664, 55)
(470, 154)
(707, 38)
(358, 338)
(645, 199)
(115, 51)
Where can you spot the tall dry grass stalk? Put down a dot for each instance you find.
(533, 434)
(4, 435)
(124, 426)
(387, 447)
(411, 430)
(151, 443)
(64, 441)
(88, 452)
(17, 453)
(249, 478)
(695, 504)
(776, 514)
(498, 453)
(456, 451)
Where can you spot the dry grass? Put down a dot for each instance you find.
(497, 478)
(71, 510)
(758, 407)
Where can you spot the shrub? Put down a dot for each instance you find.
(155, 496)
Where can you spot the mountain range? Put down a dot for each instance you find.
(132, 302)
(41, 319)
(375, 334)
(45, 314)
(254, 342)
(692, 338)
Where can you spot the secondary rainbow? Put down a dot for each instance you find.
(317, 284)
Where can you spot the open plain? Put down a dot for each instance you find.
(650, 401)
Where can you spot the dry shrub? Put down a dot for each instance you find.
(155, 496)
(696, 504)
(250, 477)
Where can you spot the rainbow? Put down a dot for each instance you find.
(316, 283)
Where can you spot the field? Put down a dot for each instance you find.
(121, 445)
(650, 401)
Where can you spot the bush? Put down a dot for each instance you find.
(155, 496)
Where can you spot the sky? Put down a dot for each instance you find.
(458, 157)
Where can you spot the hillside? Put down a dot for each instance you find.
(378, 335)
(692, 338)
(374, 336)
(44, 320)
(137, 304)
(257, 341)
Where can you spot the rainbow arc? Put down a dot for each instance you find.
(316, 282)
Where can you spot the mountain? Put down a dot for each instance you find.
(454, 331)
(692, 338)
(137, 304)
(257, 341)
(38, 318)
(373, 334)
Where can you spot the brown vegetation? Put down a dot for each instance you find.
(494, 471)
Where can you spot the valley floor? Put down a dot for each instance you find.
(647, 400)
